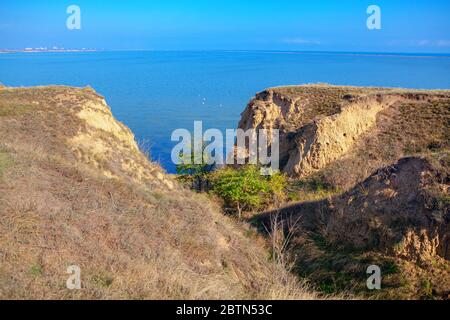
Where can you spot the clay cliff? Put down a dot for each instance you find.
(384, 153)
(324, 128)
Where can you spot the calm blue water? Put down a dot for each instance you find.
(156, 92)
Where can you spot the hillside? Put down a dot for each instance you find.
(371, 169)
(398, 218)
(76, 190)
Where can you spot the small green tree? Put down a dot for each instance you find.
(245, 188)
(277, 188)
(195, 169)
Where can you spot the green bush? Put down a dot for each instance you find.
(245, 189)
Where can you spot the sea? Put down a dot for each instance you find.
(157, 92)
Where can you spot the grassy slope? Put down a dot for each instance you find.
(77, 191)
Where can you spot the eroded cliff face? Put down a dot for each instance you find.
(330, 129)
(385, 153)
(398, 209)
(321, 124)
(319, 143)
(399, 214)
(107, 141)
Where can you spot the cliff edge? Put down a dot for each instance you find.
(326, 128)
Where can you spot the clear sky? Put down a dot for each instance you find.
(317, 25)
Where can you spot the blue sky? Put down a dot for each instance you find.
(320, 25)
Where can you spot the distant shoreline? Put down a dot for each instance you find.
(347, 53)
(46, 51)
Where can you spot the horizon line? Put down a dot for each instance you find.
(87, 50)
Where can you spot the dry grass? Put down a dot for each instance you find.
(132, 236)
(407, 128)
(6, 160)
